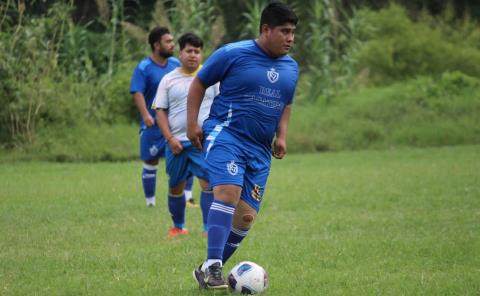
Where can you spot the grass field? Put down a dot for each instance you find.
(400, 222)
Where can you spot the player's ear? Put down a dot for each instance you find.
(264, 28)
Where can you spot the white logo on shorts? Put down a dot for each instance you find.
(273, 75)
(153, 150)
(232, 168)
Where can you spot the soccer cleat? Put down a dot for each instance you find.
(212, 278)
(175, 232)
(150, 202)
(191, 203)
(199, 276)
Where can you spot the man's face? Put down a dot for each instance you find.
(191, 57)
(280, 38)
(165, 46)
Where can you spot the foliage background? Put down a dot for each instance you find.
(375, 74)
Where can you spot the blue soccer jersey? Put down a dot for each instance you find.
(254, 90)
(146, 77)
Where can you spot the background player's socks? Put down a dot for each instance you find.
(233, 241)
(206, 199)
(149, 179)
(219, 222)
(188, 187)
(176, 206)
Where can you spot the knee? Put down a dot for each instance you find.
(248, 218)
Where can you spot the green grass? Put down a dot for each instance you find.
(398, 222)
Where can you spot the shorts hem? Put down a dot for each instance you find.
(225, 183)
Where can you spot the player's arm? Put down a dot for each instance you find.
(139, 100)
(194, 100)
(162, 122)
(280, 143)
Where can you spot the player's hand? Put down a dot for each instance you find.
(175, 145)
(195, 135)
(149, 120)
(279, 148)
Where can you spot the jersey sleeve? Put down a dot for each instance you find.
(160, 100)
(138, 82)
(295, 80)
(215, 67)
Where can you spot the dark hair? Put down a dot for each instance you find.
(277, 14)
(156, 35)
(190, 38)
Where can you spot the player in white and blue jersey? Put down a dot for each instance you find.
(144, 82)
(181, 157)
(257, 84)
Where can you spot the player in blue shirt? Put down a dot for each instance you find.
(257, 85)
(143, 87)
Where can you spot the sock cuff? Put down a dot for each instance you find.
(239, 232)
(223, 203)
(176, 195)
(222, 207)
(209, 262)
(150, 167)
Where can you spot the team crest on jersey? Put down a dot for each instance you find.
(153, 150)
(273, 75)
(257, 193)
(232, 168)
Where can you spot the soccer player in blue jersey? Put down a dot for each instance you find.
(257, 84)
(180, 156)
(144, 82)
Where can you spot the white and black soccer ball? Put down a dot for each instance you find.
(247, 278)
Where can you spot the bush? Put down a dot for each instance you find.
(399, 48)
(420, 112)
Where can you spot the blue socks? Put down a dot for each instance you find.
(219, 220)
(233, 241)
(149, 179)
(206, 199)
(176, 206)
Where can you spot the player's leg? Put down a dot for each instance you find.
(150, 151)
(149, 181)
(198, 168)
(242, 222)
(255, 178)
(210, 274)
(225, 172)
(177, 168)
(176, 207)
(188, 191)
(206, 199)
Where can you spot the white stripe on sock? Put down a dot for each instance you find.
(222, 208)
(239, 232)
(150, 167)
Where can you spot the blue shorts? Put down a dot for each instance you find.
(180, 167)
(229, 161)
(152, 143)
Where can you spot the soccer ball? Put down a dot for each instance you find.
(247, 278)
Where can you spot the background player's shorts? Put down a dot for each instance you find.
(152, 143)
(229, 162)
(179, 166)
